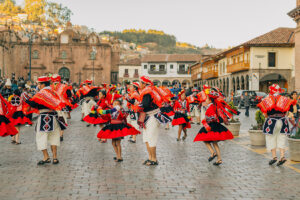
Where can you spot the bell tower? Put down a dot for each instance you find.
(295, 14)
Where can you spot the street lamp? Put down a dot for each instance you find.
(93, 57)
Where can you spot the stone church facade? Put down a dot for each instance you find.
(74, 56)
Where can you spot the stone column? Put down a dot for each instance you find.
(295, 14)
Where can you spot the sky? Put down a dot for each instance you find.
(219, 23)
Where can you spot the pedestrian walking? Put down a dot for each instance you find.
(246, 99)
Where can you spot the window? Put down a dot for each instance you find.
(171, 66)
(64, 55)
(145, 66)
(126, 71)
(152, 67)
(161, 67)
(181, 67)
(272, 59)
(136, 71)
(35, 54)
(93, 55)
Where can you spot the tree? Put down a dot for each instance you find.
(9, 8)
(57, 14)
(35, 9)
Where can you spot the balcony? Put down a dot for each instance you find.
(126, 76)
(209, 75)
(182, 72)
(136, 76)
(157, 72)
(237, 67)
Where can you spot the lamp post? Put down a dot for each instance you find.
(93, 56)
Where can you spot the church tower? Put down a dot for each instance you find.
(295, 14)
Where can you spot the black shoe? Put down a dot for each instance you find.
(119, 160)
(115, 158)
(61, 138)
(198, 123)
(183, 138)
(153, 163)
(212, 157)
(17, 143)
(281, 161)
(219, 162)
(42, 162)
(274, 160)
(146, 161)
(55, 161)
(177, 139)
(95, 125)
(88, 125)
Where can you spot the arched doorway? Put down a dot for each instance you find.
(175, 82)
(247, 82)
(270, 79)
(237, 83)
(233, 84)
(64, 73)
(186, 84)
(156, 83)
(166, 83)
(242, 83)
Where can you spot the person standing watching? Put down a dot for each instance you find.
(246, 103)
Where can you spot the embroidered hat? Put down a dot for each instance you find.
(43, 79)
(275, 88)
(146, 79)
(8, 82)
(181, 93)
(55, 78)
(136, 84)
(195, 90)
(213, 93)
(88, 81)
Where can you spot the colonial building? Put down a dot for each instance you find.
(169, 69)
(295, 14)
(253, 65)
(73, 55)
(129, 71)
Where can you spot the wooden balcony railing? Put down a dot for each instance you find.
(182, 72)
(209, 75)
(237, 67)
(157, 72)
(136, 76)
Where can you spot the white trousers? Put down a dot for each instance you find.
(45, 138)
(277, 139)
(150, 133)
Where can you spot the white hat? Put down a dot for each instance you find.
(8, 82)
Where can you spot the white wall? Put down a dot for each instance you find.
(284, 57)
(170, 72)
(131, 70)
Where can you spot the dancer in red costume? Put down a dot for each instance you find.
(276, 126)
(48, 104)
(133, 105)
(213, 131)
(7, 128)
(18, 117)
(181, 118)
(117, 128)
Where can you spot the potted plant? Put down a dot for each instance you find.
(257, 137)
(234, 123)
(294, 145)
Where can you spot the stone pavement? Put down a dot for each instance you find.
(87, 170)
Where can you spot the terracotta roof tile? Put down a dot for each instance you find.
(279, 36)
(171, 58)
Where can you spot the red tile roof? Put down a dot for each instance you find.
(277, 37)
(172, 58)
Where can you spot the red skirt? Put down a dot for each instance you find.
(168, 111)
(181, 119)
(6, 127)
(218, 132)
(114, 131)
(19, 118)
(94, 119)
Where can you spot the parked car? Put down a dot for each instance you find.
(260, 96)
(238, 100)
